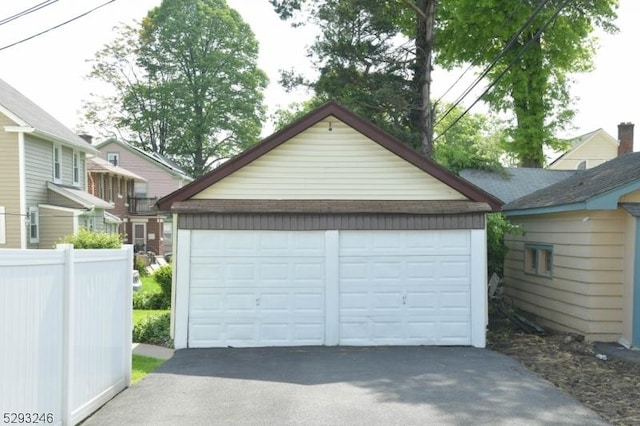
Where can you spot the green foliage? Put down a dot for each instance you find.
(86, 239)
(140, 266)
(497, 227)
(154, 329)
(475, 142)
(146, 299)
(187, 84)
(532, 77)
(163, 276)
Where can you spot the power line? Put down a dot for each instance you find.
(27, 11)
(495, 60)
(508, 67)
(57, 26)
(504, 22)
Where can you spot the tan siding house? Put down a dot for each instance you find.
(587, 151)
(577, 267)
(43, 173)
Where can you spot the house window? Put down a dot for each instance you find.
(538, 259)
(113, 158)
(76, 168)
(57, 163)
(34, 232)
(140, 189)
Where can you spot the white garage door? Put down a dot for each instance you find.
(277, 288)
(256, 289)
(405, 288)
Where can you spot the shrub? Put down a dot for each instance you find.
(140, 266)
(497, 227)
(154, 330)
(163, 277)
(86, 239)
(150, 300)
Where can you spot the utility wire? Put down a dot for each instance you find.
(27, 11)
(507, 19)
(57, 26)
(494, 61)
(508, 67)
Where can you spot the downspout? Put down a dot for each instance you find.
(635, 313)
(22, 188)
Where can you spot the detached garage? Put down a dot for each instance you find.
(329, 232)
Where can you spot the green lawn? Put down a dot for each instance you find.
(149, 283)
(141, 314)
(143, 365)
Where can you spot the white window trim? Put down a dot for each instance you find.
(75, 168)
(111, 156)
(34, 217)
(541, 264)
(58, 148)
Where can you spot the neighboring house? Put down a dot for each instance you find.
(146, 228)
(592, 149)
(42, 190)
(329, 232)
(577, 266)
(115, 185)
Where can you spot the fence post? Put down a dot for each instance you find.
(128, 248)
(67, 334)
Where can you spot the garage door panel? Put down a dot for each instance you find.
(405, 243)
(257, 243)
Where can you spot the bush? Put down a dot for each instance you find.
(497, 227)
(150, 300)
(86, 239)
(163, 277)
(140, 266)
(154, 330)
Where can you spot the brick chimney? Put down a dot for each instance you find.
(625, 138)
(88, 138)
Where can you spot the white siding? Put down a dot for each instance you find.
(337, 164)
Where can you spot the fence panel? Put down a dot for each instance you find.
(65, 330)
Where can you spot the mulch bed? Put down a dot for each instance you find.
(610, 387)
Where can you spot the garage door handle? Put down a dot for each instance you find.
(404, 299)
(257, 301)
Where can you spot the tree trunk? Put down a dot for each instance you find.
(424, 47)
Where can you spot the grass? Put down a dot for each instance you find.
(141, 314)
(149, 283)
(143, 365)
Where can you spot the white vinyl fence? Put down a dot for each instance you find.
(65, 332)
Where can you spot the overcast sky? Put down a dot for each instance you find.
(51, 69)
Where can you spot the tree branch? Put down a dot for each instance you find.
(416, 9)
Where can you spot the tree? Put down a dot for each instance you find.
(190, 87)
(532, 62)
(475, 142)
(365, 62)
(533, 83)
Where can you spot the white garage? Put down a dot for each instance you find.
(330, 232)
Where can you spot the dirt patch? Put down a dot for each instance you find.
(610, 387)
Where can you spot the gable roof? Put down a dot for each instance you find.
(592, 189)
(35, 120)
(99, 165)
(153, 158)
(514, 182)
(372, 132)
(578, 142)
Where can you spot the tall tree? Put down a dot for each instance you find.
(534, 47)
(198, 92)
(532, 77)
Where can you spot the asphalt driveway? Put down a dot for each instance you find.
(342, 386)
